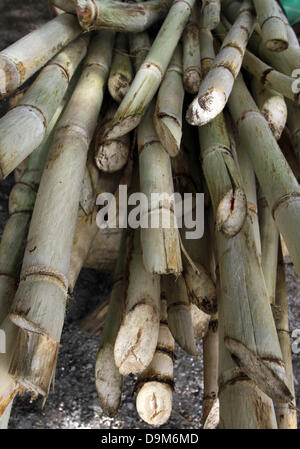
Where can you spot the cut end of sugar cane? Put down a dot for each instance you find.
(169, 132)
(200, 322)
(154, 403)
(112, 155)
(269, 375)
(118, 86)
(232, 212)
(86, 13)
(201, 289)
(109, 381)
(34, 361)
(120, 127)
(206, 107)
(213, 419)
(192, 81)
(181, 327)
(137, 338)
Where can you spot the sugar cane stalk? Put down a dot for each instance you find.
(179, 312)
(108, 379)
(152, 71)
(48, 251)
(274, 33)
(293, 121)
(191, 54)
(210, 14)
(210, 369)
(156, 178)
(217, 85)
(23, 128)
(139, 44)
(120, 75)
(65, 5)
(111, 155)
(22, 59)
(137, 337)
(120, 16)
(168, 110)
(155, 384)
(272, 106)
(285, 413)
(276, 179)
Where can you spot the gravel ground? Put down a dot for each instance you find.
(73, 402)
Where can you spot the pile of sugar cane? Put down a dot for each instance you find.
(166, 65)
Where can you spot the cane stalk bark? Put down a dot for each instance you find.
(275, 177)
(218, 83)
(23, 128)
(155, 384)
(48, 251)
(169, 104)
(120, 16)
(21, 60)
(65, 5)
(152, 71)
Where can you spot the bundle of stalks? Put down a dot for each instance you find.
(108, 379)
(168, 109)
(48, 251)
(217, 84)
(152, 71)
(156, 178)
(271, 105)
(120, 75)
(210, 14)
(111, 155)
(286, 413)
(210, 373)
(179, 312)
(23, 128)
(120, 16)
(155, 384)
(275, 177)
(273, 29)
(191, 54)
(137, 337)
(22, 59)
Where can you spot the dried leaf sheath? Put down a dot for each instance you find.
(151, 73)
(22, 59)
(23, 128)
(217, 85)
(155, 384)
(120, 16)
(47, 255)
